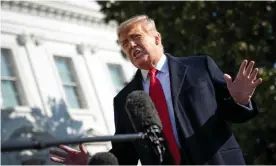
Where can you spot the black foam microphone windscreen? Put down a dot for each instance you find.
(142, 111)
(103, 158)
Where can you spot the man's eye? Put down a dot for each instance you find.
(137, 36)
(125, 44)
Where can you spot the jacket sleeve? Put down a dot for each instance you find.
(228, 109)
(124, 151)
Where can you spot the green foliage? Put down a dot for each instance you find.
(229, 32)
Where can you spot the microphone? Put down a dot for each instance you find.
(103, 158)
(144, 118)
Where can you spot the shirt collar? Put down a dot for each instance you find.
(161, 66)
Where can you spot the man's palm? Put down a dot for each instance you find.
(70, 156)
(243, 87)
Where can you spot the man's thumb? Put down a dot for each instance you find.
(228, 79)
(82, 148)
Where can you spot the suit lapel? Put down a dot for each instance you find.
(136, 83)
(177, 76)
(179, 83)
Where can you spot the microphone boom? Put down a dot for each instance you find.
(22, 145)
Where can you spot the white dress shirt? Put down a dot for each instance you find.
(163, 76)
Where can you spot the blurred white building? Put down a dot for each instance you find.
(60, 69)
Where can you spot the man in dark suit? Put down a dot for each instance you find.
(194, 99)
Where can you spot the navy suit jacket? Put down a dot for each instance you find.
(203, 109)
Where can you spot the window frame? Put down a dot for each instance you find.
(76, 84)
(19, 83)
(12, 79)
(68, 50)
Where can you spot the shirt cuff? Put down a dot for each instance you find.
(248, 107)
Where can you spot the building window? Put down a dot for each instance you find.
(117, 76)
(65, 69)
(9, 91)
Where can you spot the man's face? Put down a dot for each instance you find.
(138, 44)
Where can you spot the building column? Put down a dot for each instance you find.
(35, 56)
(101, 86)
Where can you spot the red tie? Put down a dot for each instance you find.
(157, 95)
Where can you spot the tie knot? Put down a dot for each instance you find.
(152, 72)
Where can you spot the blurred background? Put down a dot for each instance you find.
(60, 69)
(61, 65)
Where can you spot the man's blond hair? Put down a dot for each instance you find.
(148, 22)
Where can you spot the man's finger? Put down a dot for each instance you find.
(67, 148)
(59, 154)
(82, 148)
(242, 67)
(228, 79)
(58, 160)
(249, 68)
(257, 82)
(254, 74)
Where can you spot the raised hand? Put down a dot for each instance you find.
(70, 156)
(243, 87)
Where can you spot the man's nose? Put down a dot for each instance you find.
(132, 43)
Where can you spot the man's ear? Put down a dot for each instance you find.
(157, 39)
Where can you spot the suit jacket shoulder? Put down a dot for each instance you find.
(192, 61)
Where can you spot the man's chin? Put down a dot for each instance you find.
(143, 65)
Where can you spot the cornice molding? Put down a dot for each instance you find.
(57, 11)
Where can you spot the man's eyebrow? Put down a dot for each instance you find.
(120, 42)
(130, 34)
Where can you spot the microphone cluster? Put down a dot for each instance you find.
(145, 121)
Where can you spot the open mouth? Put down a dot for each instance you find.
(137, 54)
